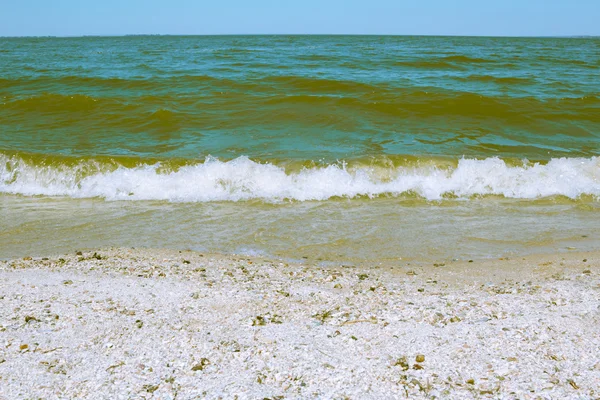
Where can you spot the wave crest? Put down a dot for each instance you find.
(243, 179)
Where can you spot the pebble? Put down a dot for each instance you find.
(151, 388)
(201, 365)
(573, 384)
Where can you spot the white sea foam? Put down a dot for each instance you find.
(243, 179)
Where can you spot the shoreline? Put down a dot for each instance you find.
(510, 266)
(530, 257)
(168, 323)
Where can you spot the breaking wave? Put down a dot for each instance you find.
(244, 179)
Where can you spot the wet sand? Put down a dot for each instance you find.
(133, 323)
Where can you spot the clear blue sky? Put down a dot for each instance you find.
(414, 17)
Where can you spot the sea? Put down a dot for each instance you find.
(323, 149)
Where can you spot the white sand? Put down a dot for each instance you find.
(146, 324)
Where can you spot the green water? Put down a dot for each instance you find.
(328, 147)
(295, 97)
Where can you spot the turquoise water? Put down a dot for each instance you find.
(328, 147)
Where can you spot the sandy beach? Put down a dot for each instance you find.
(132, 323)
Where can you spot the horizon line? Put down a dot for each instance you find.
(574, 36)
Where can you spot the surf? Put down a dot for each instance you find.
(243, 179)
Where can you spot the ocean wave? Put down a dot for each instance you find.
(260, 102)
(244, 179)
(429, 64)
(51, 102)
(502, 80)
(467, 59)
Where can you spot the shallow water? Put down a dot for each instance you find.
(353, 148)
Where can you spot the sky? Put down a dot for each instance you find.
(395, 17)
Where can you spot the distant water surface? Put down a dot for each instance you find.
(333, 148)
